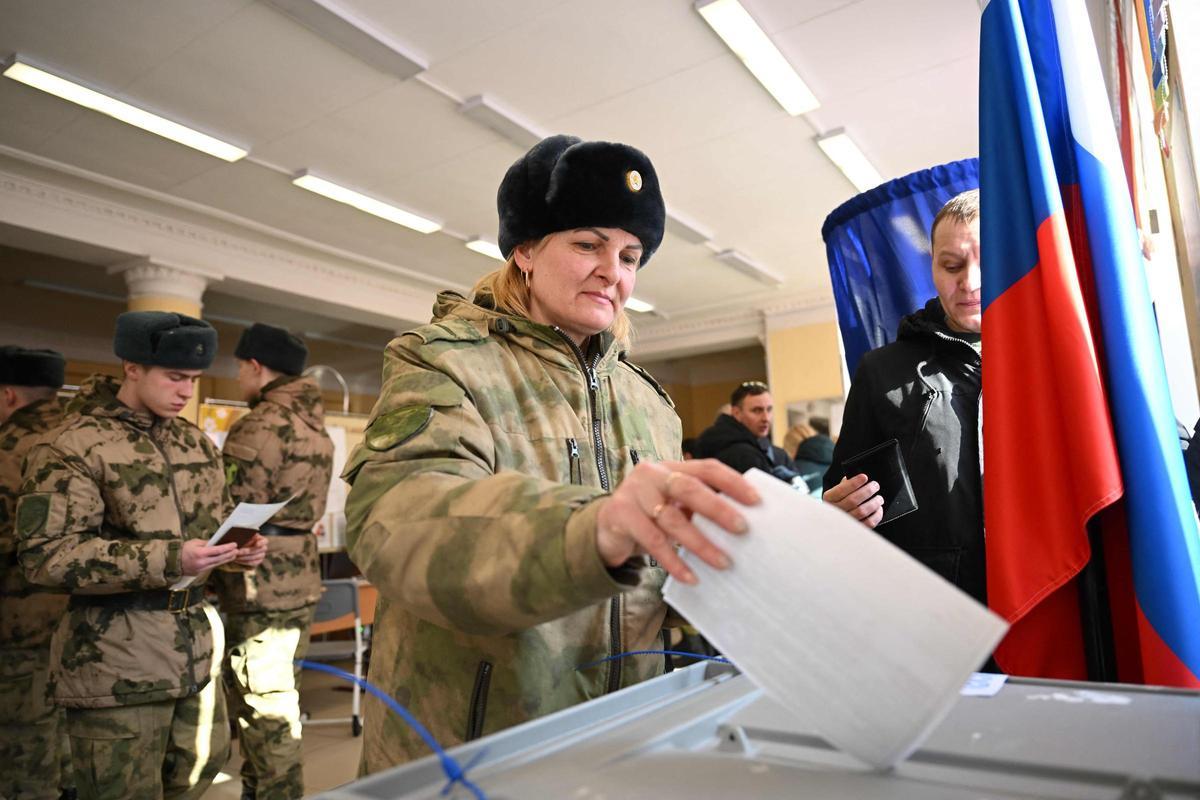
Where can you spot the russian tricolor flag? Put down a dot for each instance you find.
(1078, 424)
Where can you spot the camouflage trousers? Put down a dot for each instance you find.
(35, 760)
(169, 749)
(264, 695)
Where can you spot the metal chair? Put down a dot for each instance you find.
(337, 610)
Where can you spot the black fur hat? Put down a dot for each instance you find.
(274, 348)
(564, 183)
(164, 339)
(20, 366)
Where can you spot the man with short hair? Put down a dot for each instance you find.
(118, 504)
(280, 450)
(741, 439)
(34, 759)
(925, 390)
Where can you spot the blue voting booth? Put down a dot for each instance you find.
(878, 249)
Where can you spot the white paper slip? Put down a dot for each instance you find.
(983, 684)
(860, 641)
(246, 515)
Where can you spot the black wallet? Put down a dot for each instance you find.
(884, 464)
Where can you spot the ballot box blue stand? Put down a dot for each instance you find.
(706, 731)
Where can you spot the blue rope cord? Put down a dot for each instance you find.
(454, 773)
(697, 656)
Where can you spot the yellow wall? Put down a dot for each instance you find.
(804, 363)
(697, 405)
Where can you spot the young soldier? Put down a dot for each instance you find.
(34, 760)
(117, 505)
(279, 450)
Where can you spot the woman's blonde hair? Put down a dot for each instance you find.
(797, 434)
(511, 296)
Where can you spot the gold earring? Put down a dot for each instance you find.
(526, 274)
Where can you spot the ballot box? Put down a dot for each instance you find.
(707, 732)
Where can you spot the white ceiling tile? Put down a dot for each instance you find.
(255, 77)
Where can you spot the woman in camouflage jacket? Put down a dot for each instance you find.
(518, 495)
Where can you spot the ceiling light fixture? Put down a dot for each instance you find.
(751, 44)
(306, 180)
(844, 153)
(686, 229)
(485, 248)
(89, 98)
(488, 114)
(748, 267)
(640, 306)
(356, 36)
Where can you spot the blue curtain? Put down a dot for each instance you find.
(878, 249)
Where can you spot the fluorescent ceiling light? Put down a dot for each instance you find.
(751, 44)
(485, 248)
(488, 114)
(687, 229)
(306, 180)
(88, 98)
(640, 306)
(748, 267)
(356, 36)
(843, 152)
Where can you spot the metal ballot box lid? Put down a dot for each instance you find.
(705, 732)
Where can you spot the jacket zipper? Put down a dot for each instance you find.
(191, 654)
(479, 698)
(614, 643)
(614, 610)
(634, 457)
(574, 469)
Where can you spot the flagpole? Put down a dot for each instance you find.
(1095, 612)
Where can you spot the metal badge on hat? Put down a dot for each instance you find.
(633, 179)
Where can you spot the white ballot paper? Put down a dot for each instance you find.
(246, 515)
(860, 641)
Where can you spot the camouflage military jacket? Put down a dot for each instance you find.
(107, 502)
(472, 512)
(27, 612)
(278, 450)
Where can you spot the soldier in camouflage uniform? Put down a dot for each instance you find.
(34, 758)
(518, 468)
(279, 450)
(117, 505)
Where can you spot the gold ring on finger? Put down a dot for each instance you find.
(670, 477)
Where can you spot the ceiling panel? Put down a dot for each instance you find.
(435, 30)
(405, 128)
(108, 43)
(104, 145)
(900, 76)
(573, 57)
(257, 76)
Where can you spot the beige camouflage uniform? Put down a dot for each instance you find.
(107, 502)
(278, 450)
(472, 513)
(34, 757)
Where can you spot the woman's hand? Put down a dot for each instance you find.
(651, 511)
(859, 497)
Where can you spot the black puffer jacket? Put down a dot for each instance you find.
(924, 390)
(732, 443)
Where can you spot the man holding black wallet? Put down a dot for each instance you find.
(909, 459)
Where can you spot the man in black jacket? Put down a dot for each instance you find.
(924, 390)
(742, 438)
